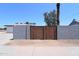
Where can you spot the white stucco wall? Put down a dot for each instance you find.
(68, 32)
(9, 29)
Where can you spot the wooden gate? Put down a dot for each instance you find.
(43, 32)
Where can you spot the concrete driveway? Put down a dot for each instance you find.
(5, 37)
(40, 48)
(37, 47)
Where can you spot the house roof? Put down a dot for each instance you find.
(74, 22)
(8, 25)
(31, 24)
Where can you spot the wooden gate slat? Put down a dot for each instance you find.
(43, 32)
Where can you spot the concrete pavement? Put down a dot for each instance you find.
(37, 47)
(38, 51)
(5, 37)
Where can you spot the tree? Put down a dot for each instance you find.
(50, 18)
(16, 23)
(26, 22)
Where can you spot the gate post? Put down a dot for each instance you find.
(56, 32)
(28, 32)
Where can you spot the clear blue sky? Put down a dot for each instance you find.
(12, 13)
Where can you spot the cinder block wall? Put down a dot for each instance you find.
(21, 32)
(9, 29)
(68, 32)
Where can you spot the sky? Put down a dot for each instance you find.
(10, 13)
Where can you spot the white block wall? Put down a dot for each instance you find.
(28, 32)
(68, 32)
(19, 32)
(9, 30)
